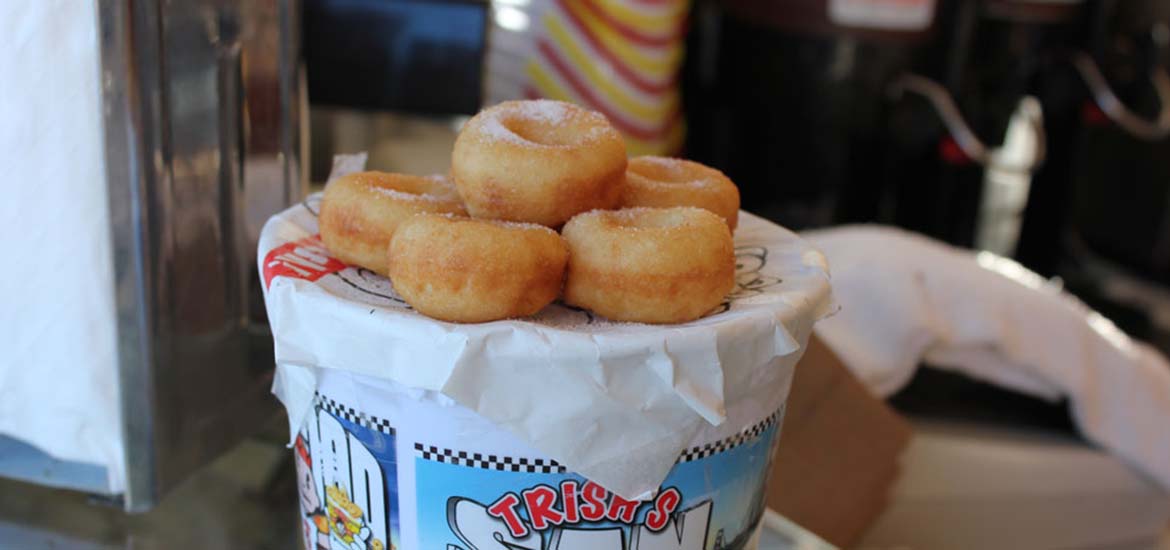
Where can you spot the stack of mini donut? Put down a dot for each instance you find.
(647, 239)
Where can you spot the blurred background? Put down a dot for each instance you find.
(1036, 130)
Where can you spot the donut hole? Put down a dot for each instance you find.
(662, 170)
(543, 131)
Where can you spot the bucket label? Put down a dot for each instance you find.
(347, 480)
(348, 467)
(712, 500)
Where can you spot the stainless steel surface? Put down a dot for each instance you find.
(203, 113)
(246, 499)
(22, 461)
(124, 110)
(1115, 109)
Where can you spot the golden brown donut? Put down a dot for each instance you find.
(649, 265)
(471, 270)
(360, 211)
(662, 181)
(538, 161)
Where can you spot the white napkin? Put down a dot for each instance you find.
(58, 375)
(906, 298)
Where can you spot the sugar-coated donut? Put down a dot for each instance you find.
(662, 182)
(472, 270)
(649, 265)
(359, 212)
(538, 161)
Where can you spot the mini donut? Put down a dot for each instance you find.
(662, 181)
(649, 265)
(538, 161)
(360, 211)
(471, 270)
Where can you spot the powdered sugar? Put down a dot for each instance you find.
(493, 128)
(544, 110)
(523, 225)
(440, 178)
(665, 162)
(648, 218)
(677, 171)
(408, 197)
(435, 188)
(501, 223)
(496, 126)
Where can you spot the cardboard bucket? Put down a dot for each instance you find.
(377, 467)
(559, 432)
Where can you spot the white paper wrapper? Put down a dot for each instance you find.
(613, 402)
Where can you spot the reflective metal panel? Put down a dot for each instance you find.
(203, 118)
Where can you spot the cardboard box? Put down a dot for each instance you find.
(839, 451)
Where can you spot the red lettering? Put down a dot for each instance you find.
(665, 505)
(594, 496)
(569, 496)
(504, 509)
(621, 509)
(305, 259)
(539, 501)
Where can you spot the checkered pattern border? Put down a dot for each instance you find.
(704, 451)
(348, 413)
(488, 462)
(547, 466)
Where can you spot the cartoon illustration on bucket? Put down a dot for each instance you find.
(315, 532)
(347, 479)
